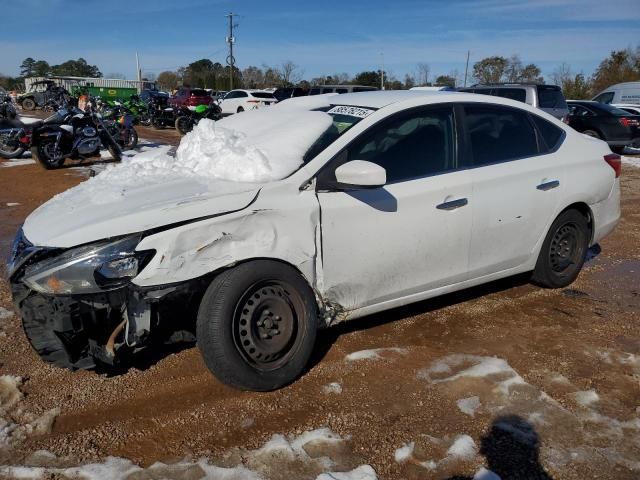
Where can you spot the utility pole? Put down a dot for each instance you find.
(382, 72)
(138, 73)
(466, 69)
(231, 61)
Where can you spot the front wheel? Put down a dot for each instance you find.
(28, 104)
(257, 325)
(563, 251)
(48, 155)
(592, 133)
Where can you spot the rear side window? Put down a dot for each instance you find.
(198, 93)
(551, 134)
(551, 98)
(499, 134)
(263, 95)
(518, 94)
(411, 145)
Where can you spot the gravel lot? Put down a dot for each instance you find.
(508, 376)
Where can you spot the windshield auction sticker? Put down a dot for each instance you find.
(351, 111)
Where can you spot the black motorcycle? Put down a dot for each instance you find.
(160, 113)
(119, 121)
(186, 119)
(71, 133)
(7, 109)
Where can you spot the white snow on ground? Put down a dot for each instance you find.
(16, 162)
(333, 387)
(277, 454)
(587, 397)
(463, 447)
(484, 474)
(469, 405)
(12, 204)
(635, 162)
(27, 120)
(373, 354)
(403, 453)
(4, 313)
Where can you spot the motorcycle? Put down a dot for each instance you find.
(71, 133)
(160, 114)
(7, 109)
(186, 119)
(119, 121)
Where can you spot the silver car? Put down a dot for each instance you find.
(545, 97)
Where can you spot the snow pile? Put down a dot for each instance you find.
(4, 313)
(308, 455)
(374, 354)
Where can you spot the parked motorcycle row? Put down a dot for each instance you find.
(69, 132)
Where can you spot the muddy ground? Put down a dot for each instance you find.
(508, 376)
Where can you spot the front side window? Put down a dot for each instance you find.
(499, 134)
(410, 145)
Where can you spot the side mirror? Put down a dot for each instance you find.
(360, 174)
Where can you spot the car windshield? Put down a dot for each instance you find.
(343, 118)
(618, 112)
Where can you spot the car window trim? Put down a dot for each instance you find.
(467, 139)
(324, 184)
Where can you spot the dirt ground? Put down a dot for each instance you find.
(523, 381)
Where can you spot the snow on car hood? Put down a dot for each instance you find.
(219, 167)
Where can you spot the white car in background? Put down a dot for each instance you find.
(237, 101)
(628, 107)
(375, 201)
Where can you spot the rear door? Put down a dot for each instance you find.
(409, 236)
(516, 180)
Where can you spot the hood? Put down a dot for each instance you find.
(88, 213)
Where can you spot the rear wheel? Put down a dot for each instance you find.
(240, 109)
(563, 251)
(131, 141)
(47, 155)
(157, 123)
(28, 104)
(184, 124)
(10, 147)
(592, 133)
(257, 325)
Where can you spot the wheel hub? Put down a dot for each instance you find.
(265, 325)
(564, 248)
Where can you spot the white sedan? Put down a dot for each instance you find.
(372, 201)
(237, 101)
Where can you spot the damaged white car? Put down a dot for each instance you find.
(269, 225)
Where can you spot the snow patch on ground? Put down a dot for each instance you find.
(484, 474)
(633, 161)
(587, 397)
(333, 387)
(4, 313)
(12, 204)
(373, 354)
(309, 452)
(469, 405)
(17, 162)
(463, 447)
(403, 453)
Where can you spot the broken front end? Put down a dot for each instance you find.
(80, 309)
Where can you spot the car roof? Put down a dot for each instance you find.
(379, 98)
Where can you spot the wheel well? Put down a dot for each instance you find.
(584, 209)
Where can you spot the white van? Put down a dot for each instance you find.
(628, 92)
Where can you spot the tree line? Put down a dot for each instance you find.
(619, 66)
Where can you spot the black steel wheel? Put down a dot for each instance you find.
(48, 155)
(184, 124)
(257, 325)
(563, 251)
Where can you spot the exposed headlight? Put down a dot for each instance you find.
(92, 268)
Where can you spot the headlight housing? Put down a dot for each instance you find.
(93, 268)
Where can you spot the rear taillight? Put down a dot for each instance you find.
(24, 139)
(628, 122)
(253, 101)
(615, 161)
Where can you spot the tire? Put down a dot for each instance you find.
(133, 139)
(157, 124)
(240, 109)
(28, 104)
(564, 250)
(241, 319)
(184, 124)
(6, 152)
(592, 133)
(115, 152)
(40, 154)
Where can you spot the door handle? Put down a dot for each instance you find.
(453, 204)
(548, 185)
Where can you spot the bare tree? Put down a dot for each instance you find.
(341, 78)
(422, 73)
(253, 77)
(290, 73)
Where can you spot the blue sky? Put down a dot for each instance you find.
(322, 37)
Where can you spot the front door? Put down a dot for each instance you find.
(409, 236)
